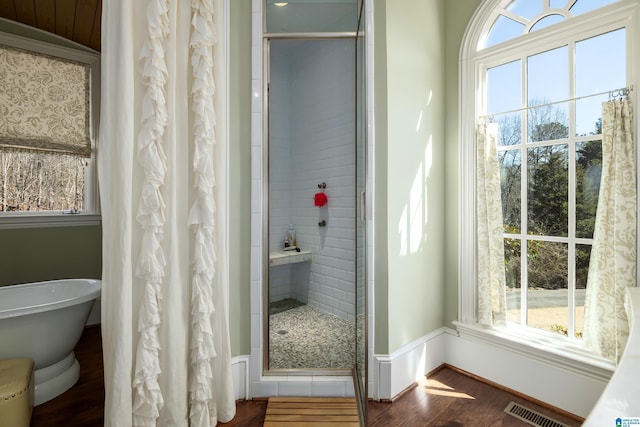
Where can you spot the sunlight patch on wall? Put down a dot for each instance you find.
(416, 210)
(414, 217)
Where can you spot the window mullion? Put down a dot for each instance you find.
(524, 245)
(571, 256)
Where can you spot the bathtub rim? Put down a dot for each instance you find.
(92, 290)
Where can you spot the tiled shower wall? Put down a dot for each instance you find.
(321, 135)
(280, 182)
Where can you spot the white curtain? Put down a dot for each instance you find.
(490, 263)
(165, 330)
(612, 266)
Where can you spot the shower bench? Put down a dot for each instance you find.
(288, 257)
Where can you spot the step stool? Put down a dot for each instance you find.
(16, 392)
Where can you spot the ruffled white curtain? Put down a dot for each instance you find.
(612, 266)
(490, 264)
(165, 330)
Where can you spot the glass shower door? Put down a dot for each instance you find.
(360, 367)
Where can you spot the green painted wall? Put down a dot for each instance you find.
(38, 254)
(240, 176)
(414, 86)
(381, 273)
(457, 14)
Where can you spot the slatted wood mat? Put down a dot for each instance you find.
(311, 412)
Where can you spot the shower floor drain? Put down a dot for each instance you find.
(282, 332)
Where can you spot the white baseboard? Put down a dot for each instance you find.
(240, 371)
(573, 390)
(395, 372)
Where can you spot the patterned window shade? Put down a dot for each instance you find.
(44, 103)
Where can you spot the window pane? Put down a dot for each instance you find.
(504, 88)
(547, 21)
(34, 182)
(504, 29)
(548, 190)
(547, 295)
(600, 63)
(528, 9)
(548, 76)
(548, 122)
(589, 115)
(583, 254)
(583, 6)
(510, 167)
(512, 275)
(558, 4)
(509, 129)
(588, 172)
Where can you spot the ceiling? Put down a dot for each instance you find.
(76, 20)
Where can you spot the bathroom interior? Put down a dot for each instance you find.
(315, 170)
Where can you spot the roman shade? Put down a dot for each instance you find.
(44, 103)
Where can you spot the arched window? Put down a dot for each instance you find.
(540, 70)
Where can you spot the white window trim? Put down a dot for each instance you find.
(91, 213)
(537, 344)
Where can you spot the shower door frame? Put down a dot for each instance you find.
(266, 60)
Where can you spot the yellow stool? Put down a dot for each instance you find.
(16, 392)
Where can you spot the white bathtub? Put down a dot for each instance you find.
(44, 321)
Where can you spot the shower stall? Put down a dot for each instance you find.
(313, 178)
(312, 189)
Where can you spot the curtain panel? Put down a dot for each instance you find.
(491, 309)
(612, 266)
(165, 329)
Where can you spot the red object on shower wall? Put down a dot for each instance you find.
(320, 199)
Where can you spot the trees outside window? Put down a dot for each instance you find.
(36, 182)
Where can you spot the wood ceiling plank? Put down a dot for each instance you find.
(65, 17)
(7, 9)
(85, 17)
(45, 11)
(25, 12)
(96, 35)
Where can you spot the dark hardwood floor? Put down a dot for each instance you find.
(448, 398)
(451, 398)
(82, 404)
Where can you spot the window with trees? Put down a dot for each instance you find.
(541, 70)
(46, 127)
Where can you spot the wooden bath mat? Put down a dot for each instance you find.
(311, 412)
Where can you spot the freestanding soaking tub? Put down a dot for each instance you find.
(44, 321)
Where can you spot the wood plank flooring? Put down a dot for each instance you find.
(452, 398)
(448, 398)
(311, 412)
(83, 404)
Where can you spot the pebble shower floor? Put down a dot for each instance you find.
(305, 337)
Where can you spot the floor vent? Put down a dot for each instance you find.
(531, 417)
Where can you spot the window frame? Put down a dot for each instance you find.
(473, 60)
(91, 213)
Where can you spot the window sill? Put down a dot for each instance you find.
(47, 220)
(550, 351)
